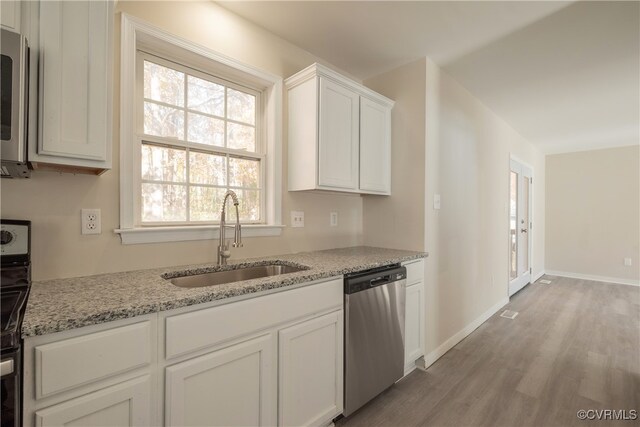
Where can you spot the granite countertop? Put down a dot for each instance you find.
(63, 304)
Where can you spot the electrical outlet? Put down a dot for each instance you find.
(297, 219)
(333, 219)
(91, 223)
(627, 262)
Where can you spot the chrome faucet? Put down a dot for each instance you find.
(223, 248)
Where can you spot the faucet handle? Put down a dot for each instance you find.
(237, 241)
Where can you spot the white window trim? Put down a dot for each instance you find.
(133, 33)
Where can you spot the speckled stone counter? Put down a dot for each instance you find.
(62, 304)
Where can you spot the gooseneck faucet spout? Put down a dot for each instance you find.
(223, 247)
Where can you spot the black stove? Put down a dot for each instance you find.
(15, 282)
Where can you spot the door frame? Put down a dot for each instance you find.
(513, 158)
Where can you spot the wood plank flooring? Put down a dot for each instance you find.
(574, 345)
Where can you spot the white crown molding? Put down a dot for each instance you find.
(320, 70)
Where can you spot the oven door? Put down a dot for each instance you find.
(10, 388)
(14, 99)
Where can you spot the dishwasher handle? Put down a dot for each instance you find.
(379, 281)
(373, 280)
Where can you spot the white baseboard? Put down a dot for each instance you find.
(537, 276)
(605, 279)
(436, 354)
(408, 370)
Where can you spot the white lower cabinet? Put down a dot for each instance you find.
(414, 316)
(125, 404)
(274, 359)
(413, 328)
(234, 386)
(310, 375)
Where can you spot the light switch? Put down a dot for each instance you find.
(297, 219)
(627, 262)
(333, 219)
(436, 201)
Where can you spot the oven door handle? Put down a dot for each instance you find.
(6, 367)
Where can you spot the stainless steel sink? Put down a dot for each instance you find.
(236, 275)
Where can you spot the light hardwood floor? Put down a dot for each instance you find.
(575, 344)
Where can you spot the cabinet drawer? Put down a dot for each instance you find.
(125, 404)
(67, 364)
(415, 271)
(204, 328)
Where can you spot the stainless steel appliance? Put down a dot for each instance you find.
(374, 333)
(15, 282)
(14, 98)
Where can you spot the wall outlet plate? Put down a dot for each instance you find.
(297, 219)
(436, 201)
(333, 219)
(91, 221)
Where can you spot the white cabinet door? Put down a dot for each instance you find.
(10, 15)
(375, 147)
(234, 386)
(338, 136)
(75, 73)
(414, 325)
(125, 404)
(311, 369)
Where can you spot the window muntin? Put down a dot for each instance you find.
(199, 136)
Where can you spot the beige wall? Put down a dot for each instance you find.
(397, 221)
(468, 152)
(53, 201)
(446, 142)
(593, 213)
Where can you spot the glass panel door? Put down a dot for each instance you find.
(513, 226)
(519, 224)
(524, 224)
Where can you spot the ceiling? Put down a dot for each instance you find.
(565, 75)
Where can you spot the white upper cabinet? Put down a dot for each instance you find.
(10, 15)
(75, 55)
(375, 147)
(339, 134)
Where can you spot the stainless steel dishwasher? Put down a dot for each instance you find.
(374, 333)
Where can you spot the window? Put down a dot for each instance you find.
(199, 136)
(194, 124)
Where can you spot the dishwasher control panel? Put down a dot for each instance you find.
(373, 278)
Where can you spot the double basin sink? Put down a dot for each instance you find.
(234, 275)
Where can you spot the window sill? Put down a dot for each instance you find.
(141, 235)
